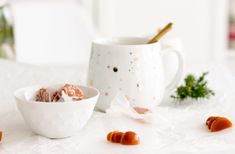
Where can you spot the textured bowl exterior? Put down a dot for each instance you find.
(57, 120)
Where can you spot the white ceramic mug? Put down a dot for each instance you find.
(133, 67)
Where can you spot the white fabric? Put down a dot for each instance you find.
(187, 134)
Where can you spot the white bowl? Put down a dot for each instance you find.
(57, 120)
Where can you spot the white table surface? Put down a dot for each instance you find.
(188, 134)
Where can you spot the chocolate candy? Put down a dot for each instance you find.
(215, 124)
(127, 138)
(73, 91)
(68, 91)
(43, 95)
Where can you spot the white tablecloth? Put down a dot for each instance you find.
(188, 134)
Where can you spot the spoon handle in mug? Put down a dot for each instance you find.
(162, 32)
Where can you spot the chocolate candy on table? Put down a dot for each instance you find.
(216, 123)
(0, 136)
(127, 138)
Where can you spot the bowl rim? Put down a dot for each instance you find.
(20, 90)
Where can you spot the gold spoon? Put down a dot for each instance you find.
(161, 33)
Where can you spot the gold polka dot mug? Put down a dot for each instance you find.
(133, 67)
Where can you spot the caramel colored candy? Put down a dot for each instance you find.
(115, 136)
(109, 136)
(218, 123)
(43, 95)
(73, 91)
(130, 138)
(127, 138)
(0, 135)
(209, 121)
(56, 97)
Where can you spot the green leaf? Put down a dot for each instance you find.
(193, 88)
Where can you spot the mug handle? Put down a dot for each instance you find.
(177, 77)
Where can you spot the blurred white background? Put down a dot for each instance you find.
(60, 31)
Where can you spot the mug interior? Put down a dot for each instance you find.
(122, 41)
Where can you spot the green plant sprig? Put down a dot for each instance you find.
(193, 88)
